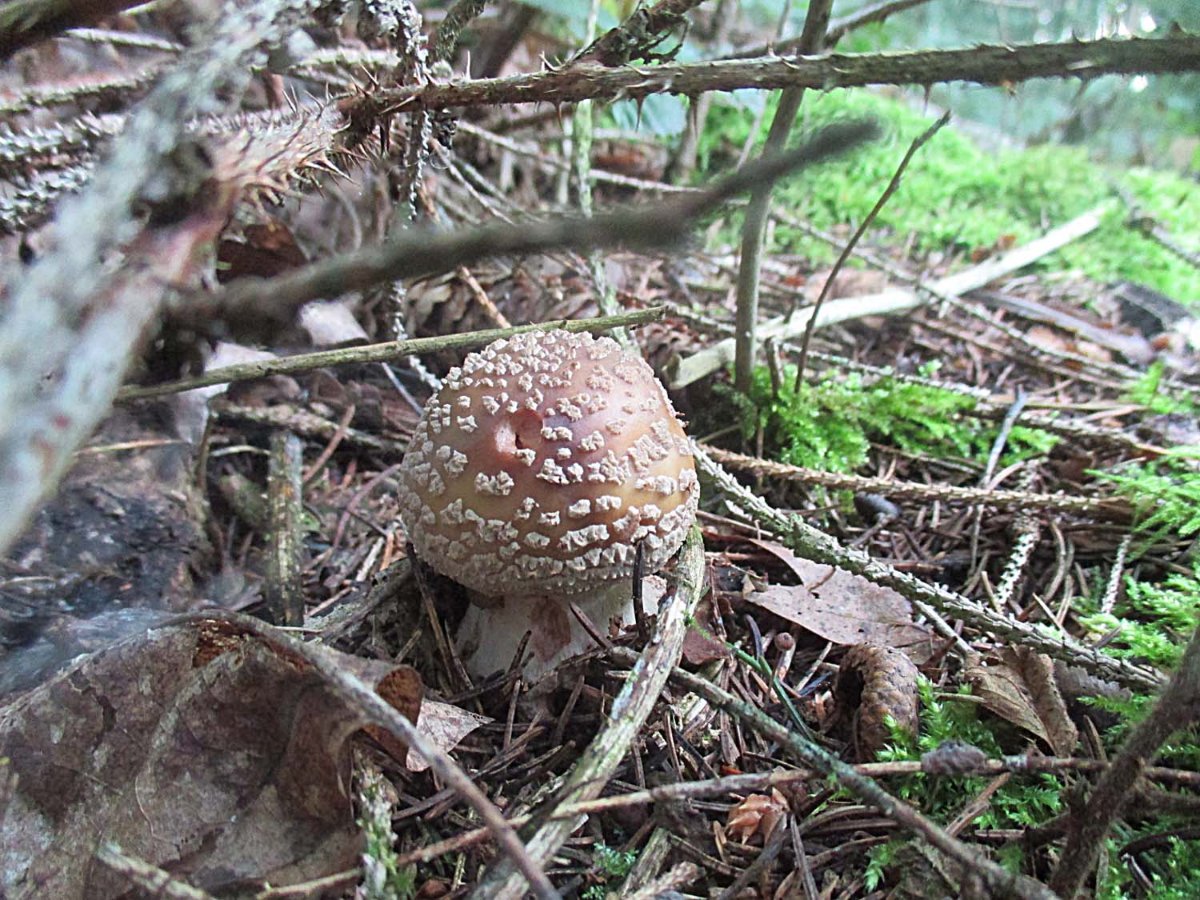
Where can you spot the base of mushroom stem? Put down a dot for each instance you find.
(489, 636)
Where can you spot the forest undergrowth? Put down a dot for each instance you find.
(932, 634)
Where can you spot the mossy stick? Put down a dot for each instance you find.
(813, 544)
(283, 590)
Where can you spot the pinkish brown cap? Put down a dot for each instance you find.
(542, 463)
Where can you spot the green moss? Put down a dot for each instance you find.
(1173, 869)
(612, 866)
(955, 195)
(1024, 801)
(831, 424)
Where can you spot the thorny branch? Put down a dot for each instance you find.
(987, 64)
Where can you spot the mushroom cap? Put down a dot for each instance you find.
(542, 463)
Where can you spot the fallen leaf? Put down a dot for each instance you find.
(757, 816)
(205, 746)
(445, 726)
(1018, 686)
(267, 250)
(700, 644)
(843, 608)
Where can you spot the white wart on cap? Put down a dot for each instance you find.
(541, 465)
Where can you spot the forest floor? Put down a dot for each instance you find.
(938, 577)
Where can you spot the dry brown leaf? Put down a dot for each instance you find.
(266, 250)
(201, 746)
(757, 816)
(1018, 686)
(875, 685)
(843, 608)
(445, 726)
(701, 645)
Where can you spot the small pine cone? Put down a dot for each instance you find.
(873, 684)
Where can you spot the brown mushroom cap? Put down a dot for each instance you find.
(541, 464)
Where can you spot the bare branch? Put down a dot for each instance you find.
(1178, 707)
(251, 306)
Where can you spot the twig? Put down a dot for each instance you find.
(1177, 708)
(449, 32)
(988, 64)
(819, 547)
(283, 591)
(272, 302)
(373, 353)
(683, 372)
(638, 35)
(149, 877)
(134, 39)
(998, 444)
(755, 222)
(1112, 587)
(110, 88)
(916, 145)
(630, 709)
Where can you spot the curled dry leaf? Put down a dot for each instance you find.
(1018, 686)
(757, 816)
(875, 686)
(843, 608)
(445, 726)
(203, 747)
(701, 644)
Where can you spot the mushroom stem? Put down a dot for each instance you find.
(489, 636)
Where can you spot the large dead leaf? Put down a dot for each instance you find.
(843, 608)
(1018, 686)
(204, 746)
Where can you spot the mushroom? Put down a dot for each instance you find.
(532, 478)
